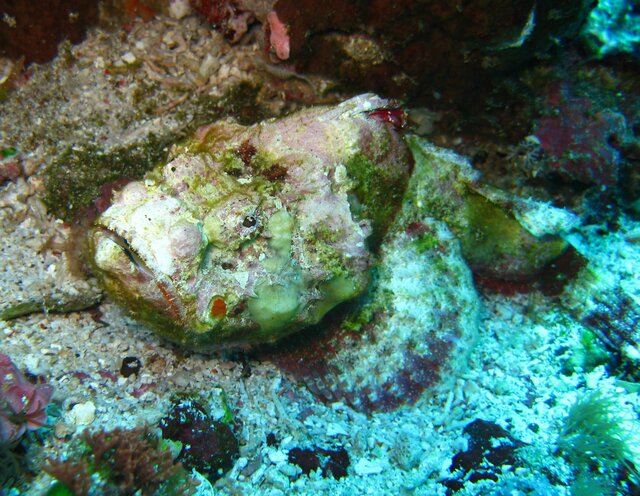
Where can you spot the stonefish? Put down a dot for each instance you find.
(248, 234)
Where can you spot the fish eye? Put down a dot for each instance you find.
(249, 221)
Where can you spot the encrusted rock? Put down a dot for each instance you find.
(435, 50)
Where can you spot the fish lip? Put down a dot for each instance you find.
(164, 285)
(133, 256)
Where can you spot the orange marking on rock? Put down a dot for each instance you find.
(135, 8)
(218, 308)
(173, 308)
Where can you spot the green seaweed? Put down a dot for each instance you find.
(331, 259)
(121, 461)
(426, 242)
(228, 416)
(370, 304)
(59, 489)
(594, 439)
(74, 178)
(8, 152)
(379, 195)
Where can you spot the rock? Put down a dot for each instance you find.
(581, 141)
(82, 413)
(32, 33)
(407, 450)
(364, 467)
(434, 50)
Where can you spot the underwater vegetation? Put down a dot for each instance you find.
(84, 177)
(601, 444)
(119, 462)
(22, 403)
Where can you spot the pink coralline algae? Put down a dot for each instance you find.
(22, 404)
(580, 141)
(278, 36)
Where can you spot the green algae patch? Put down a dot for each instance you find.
(494, 240)
(74, 179)
(372, 304)
(322, 242)
(426, 242)
(378, 194)
(331, 259)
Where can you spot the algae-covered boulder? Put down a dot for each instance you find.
(250, 233)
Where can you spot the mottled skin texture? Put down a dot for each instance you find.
(251, 233)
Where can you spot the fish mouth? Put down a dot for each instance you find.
(166, 294)
(126, 248)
